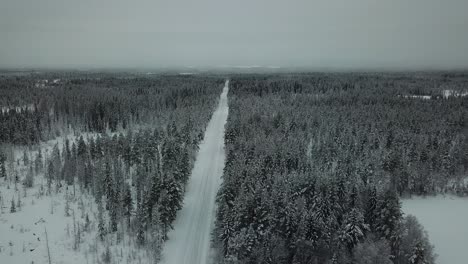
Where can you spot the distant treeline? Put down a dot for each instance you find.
(34, 110)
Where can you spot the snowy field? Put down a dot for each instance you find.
(68, 215)
(23, 237)
(446, 221)
(71, 228)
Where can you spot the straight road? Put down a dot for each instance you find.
(190, 240)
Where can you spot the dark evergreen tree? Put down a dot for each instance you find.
(127, 203)
(12, 207)
(388, 219)
(371, 207)
(3, 173)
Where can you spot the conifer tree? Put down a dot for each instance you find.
(370, 207)
(25, 158)
(388, 219)
(127, 203)
(13, 206)
(101, 226)
(82, 149)
(354, 228)
(3, 173)
(50, 174)
(38, 162)
(29, 180)
(140, 234)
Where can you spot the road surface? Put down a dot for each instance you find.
(190, 240)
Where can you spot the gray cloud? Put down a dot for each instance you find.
(144, 33)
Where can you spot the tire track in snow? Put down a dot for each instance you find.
(190, 240)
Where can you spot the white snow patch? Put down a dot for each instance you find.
(22, 233)
(23, 237)
(453, 93)
(187, 73)
(424, 97)
(20, 108)
(445, 218)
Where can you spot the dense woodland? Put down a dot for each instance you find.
(316, 164)
(35, 109)
(135, 159)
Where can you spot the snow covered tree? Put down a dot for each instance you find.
(140, 232)
(25, 158)
(18, 203)
(418, 254)
(353, 229)
(101, 226)
(67, 149)
(370, 207)
(57, 163)
(38, 162)
(114, 206)
(388, 219)
(156, 232)
(67, 205)
(3, 173)
(106, 256)
(13, 206)
(50, 175)
(29, 179)
(372, 252)
(415, 247)
(184, 165)
(108, 181)
(127, 203)
(82, 148)
(92, 148)
(170, 201)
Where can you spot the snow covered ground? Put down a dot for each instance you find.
(446, 221)
(71, 239)
(189, 241)
(449, 93)
(22, 233)
(445, 94)
(29, 107)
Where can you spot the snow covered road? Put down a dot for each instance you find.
(190, 240)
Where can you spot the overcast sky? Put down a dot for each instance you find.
(154, 33)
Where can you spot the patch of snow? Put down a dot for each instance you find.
(23, 237)
(19, 108)
(424, 97)
(452, 93)
(187, 73)
(445, 219)
(22, 233)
